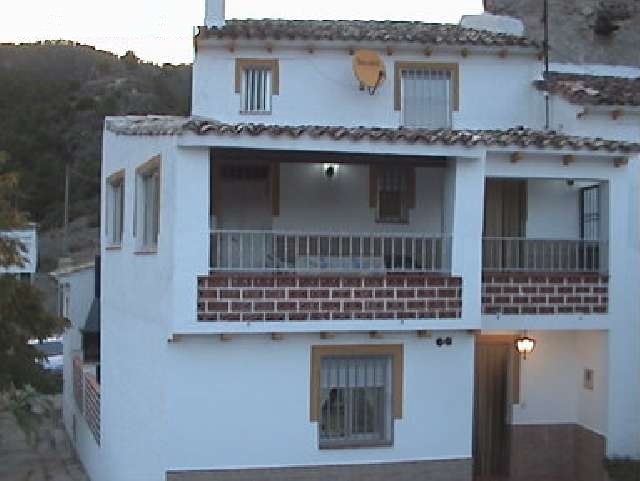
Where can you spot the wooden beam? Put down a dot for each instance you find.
(616, 114)
(515, 157)
(225, 337)
(568, 159)
(375, 335)
(327, 335)
(423, 334)
(277, 336)
(389, 51)
(620, 161)
(428, 52)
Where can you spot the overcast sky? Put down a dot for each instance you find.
(161, 30)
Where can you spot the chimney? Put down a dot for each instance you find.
(494, 23)
(214, 13)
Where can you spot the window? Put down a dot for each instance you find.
(355, 401)
(148, 204)
(393, 194)
(426, 94)
(356, 393)
(590, 213)
(63, 300)
(115, 209)
(256, 81)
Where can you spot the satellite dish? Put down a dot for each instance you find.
(369, 70)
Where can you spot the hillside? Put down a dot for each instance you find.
(53, 99)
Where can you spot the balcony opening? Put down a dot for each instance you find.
(280, 211)
(548, 225)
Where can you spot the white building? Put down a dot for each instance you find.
(78, 302)
(28, 238)
(306, 281)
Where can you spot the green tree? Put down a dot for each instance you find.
(22, 318)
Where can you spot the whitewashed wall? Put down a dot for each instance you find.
(598, 123)
(81, 292)
(592, 353)
(551, 380)
(245, 403)
(320, 88)
(341, 204)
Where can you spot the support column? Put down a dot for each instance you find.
(464, 221)
(623, 438)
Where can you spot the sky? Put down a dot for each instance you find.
(161, 30)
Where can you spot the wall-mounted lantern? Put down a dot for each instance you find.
(525, 345)
(330, 170)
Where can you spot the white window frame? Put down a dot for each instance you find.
(344, 380)
(115, 205)
(257, 90)
(148, 205)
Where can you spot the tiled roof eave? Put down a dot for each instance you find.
(361, 31)
(515, 138)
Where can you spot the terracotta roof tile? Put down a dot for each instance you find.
(364, 31)
(593, 89)
(515, 137)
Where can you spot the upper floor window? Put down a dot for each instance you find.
(115, 208)
(426, 94)
(148, 204)
(257, 80)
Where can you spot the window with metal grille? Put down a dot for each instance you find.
(150, 208)
(590, 213)
(356, 401)
(115, 211)
(256, 90)
(393, 189)
(426, 98)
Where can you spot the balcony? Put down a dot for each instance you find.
(544, 276)
(303, 276)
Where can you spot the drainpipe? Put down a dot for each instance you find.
(545, 19)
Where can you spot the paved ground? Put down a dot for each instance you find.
(51, 461)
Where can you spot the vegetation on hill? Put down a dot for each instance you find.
(53, 100)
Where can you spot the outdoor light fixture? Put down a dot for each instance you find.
(330, 170)
(525, 345)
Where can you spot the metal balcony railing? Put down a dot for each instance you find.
(244, 250)
(549, 255)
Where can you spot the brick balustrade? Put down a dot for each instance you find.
(544, 293)
(306, 297)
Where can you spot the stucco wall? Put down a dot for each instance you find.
(245, 402)
(551, 380)
(341, 204)
(327, 77)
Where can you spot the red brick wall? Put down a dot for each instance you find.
(544, 293)
(304, 297)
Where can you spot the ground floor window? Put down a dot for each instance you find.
(356, 394)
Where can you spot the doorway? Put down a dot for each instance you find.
(496, 389)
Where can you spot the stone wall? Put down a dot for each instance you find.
(572, 28)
